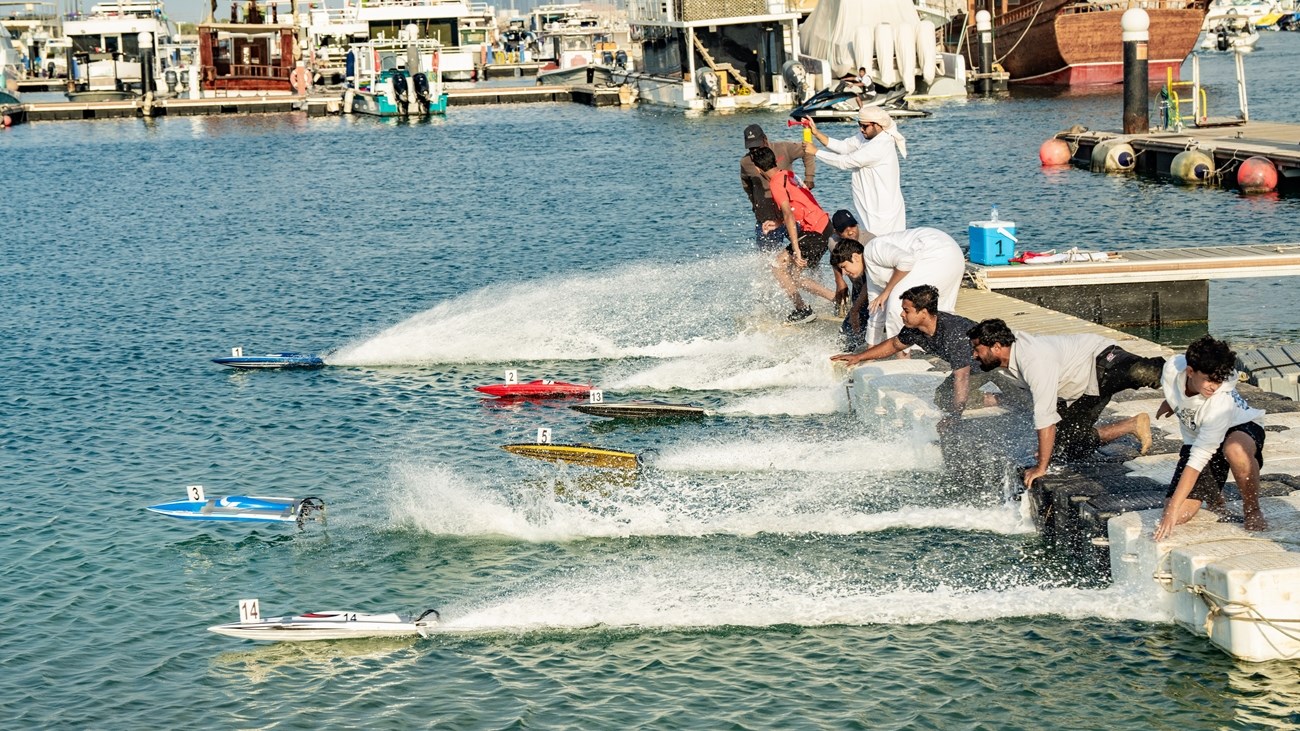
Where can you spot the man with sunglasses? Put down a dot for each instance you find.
(872, 156)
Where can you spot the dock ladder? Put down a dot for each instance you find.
(1173, 101)
(722, 69)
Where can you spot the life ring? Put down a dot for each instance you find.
(299, 79)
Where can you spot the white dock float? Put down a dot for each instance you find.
(1218, 580)
(1149, 265)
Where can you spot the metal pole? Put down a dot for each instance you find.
(1134, 24)
(984, 27)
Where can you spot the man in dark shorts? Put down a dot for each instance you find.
(1221, 433)
(941, 334)
(1071, 379)
(769, 231)
(809, 229)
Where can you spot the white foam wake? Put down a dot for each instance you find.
(711, 592)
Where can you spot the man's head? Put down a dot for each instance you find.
(1210, 362)
(873, 120)
(847, 258)
(920, 305)
(763, 157)
(845, 225)
(754, 137)
(862, 72)
(991, 342)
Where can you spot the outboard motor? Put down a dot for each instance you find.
(171, 79)
(708, 83)
(796, 77)
(620, 59)
(1221, 42)
(401, 92)
(422, 93)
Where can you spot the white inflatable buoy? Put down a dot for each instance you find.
(1113, 156)
(905, 49)
(925, 50)
(1192, 167)
(885, 55)
(864, 49)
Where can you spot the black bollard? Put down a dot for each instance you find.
(1134, 24)
(984, 28)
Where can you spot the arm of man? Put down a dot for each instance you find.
(883, 299)
(841, 156)
(1169, 519)
(960, 390)
(875, 352)
(1046, 443)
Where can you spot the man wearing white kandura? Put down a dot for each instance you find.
(872, 156)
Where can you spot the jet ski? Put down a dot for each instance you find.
(845, 101)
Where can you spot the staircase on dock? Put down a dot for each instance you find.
(722, 69)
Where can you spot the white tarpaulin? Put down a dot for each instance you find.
(831, 28)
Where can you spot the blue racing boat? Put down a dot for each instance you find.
(237, 359)
(246, 509)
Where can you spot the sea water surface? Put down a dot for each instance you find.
(779, 564)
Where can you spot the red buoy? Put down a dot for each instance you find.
(1257, 175)
(7, 121)
(1054, 152)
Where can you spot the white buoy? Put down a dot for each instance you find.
(1113, 156)
(925, 50)
(864, 49)
(905, 50)
(1192, 167)
(885, 55)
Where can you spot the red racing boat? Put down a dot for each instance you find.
(536, 389)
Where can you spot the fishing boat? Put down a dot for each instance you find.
(461, 28)
(327, 625)
(106, 46)
(1068, 42)
(396, 78)
(701, 56)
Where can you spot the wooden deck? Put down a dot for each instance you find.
(1149, 265)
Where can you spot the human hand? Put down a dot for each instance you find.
(769, 226)
(799, 260)
(1164, 410)
(841, 294)
(845, 358)
(809, 184)
(812, 124)
(1033, 473)
(1167, 523)
(876, 305)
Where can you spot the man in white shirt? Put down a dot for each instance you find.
(1220, 432)
(1071, 379)
(872, 156)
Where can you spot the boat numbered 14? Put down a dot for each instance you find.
(328, 625)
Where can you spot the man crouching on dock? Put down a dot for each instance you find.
(1220, 432)
(1071, 379)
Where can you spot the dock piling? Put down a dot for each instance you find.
(1134, 24)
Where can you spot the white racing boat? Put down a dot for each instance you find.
(332, 625)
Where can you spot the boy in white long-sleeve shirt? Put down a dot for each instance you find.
(1220, 433)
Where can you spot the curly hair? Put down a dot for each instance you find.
(1212, 357)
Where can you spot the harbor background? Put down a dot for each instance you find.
(781, 565)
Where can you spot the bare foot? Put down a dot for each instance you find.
(990, 399)
(1142, 430)
(1255, 521)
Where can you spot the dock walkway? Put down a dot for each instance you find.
(1141, 286)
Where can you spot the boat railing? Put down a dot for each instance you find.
(246, 71)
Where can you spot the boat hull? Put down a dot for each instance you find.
(319, 626)
(272, 360)
(1059, 47)
(535, 390)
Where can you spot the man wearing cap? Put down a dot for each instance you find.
(769, 229)
(872, 156)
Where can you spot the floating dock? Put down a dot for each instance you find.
(1140, 287)
(1227, 143)
(316, 104)
(1215, 579)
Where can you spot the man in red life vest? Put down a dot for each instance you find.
(809, 229)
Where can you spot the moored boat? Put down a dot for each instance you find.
(1067, 42)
